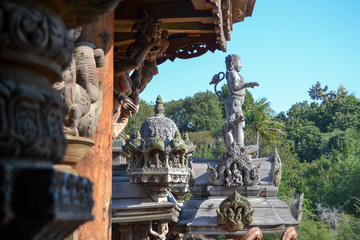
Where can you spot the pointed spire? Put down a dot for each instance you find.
(178, 135)
(156, 134)
(137, 135)
(186, 137)
(159, 107)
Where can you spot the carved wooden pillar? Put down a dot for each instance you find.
(36, 201)
(97, 163)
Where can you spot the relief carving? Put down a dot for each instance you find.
(234, 169)
(37, 35)
(235, 212)
(150, 43)
(32, 121)
(81, 90)
(35, 48)
(162, 230)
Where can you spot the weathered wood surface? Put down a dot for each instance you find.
(270, 214)
(203, 188)
(143, 209)
(96, 165)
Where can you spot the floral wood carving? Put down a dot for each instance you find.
(44, 39)
(31, 122)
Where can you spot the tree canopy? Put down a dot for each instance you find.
(318, 143)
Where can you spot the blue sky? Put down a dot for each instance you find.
(286, 46)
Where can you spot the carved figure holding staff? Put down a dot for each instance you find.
(235, 120)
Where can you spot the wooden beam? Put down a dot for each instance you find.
(126, 42)
(170, 20)
(201, 5)
(166, 216)
(162, 9)
(96, 165)
(173, 27)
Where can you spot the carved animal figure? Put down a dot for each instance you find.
(81, 91)
(253, 234)
(289, 234)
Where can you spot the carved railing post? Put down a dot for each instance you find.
(36, 201)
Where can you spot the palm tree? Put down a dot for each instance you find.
(261, 121)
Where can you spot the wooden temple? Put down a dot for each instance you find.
(71, 73)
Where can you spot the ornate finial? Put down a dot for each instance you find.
(137, 135)
(155, 142)
(177, 135)
(177, 143)
(156, 134)
(136, 142)
(159, 107)
(190, 147)
(186, 137)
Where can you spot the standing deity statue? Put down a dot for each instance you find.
(234, 167)
(235, 120)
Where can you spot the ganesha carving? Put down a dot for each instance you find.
(81, 90)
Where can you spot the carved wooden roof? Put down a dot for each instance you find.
(194, 26)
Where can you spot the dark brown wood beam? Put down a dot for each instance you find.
(132, 9)
(173, 27)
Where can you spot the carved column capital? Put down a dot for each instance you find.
(33, 39)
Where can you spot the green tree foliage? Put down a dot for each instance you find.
(260, 117)
(202, 112)
(146, 110)
(308, 124)
(316, 92)
(325, 137)
(320, 150)
(342, 112)
(207, 146)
